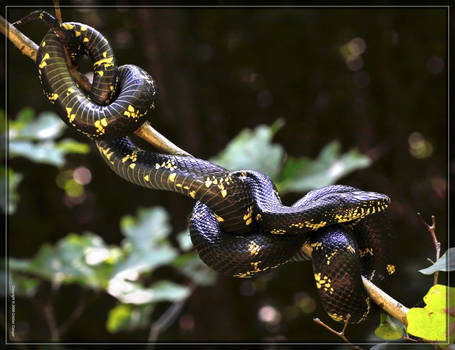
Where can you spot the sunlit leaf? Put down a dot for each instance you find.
(192, 267)
(252, 149)
(125, 317)
(303, 174)
(146, 240)
(445, 263)
(13, 182)
(46, 126)
(42, 152)
(184, 240)
(130, 292)
(75, 258)
(430, 322)
(388, 329)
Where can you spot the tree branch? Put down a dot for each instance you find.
(29, 48)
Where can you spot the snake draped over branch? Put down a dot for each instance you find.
(238, 225)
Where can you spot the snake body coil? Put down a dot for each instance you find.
(239, 225)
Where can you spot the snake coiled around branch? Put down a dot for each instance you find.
(238, 225)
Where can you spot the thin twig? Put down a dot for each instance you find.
(48, 313)
(76, 314)
(29, 48)
(437, 245)
(167, 318)
(58, 13)
(340, 334)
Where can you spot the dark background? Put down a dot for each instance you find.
(220, 70)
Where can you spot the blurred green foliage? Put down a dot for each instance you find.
(35, 138)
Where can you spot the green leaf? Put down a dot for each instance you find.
(184, 240)
(146, 239)
(430, 322)
(43, 152)
(445, 263)
(128, 317)
(192, 267)
(84, 259)
(303, 174)
(131, 292)
(46, 126)
(388, 329)
(252, 149)
(24, 117)
(13, 196)
(71, 146)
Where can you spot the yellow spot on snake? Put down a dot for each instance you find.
(100, 128)
(43, 44)
(362, 253)
(67, 26)
(329, 257)
(43, 61)
(83, 28)
(106, 61)
(277, 231)
(104, 122)
(208, 183)
(193, 194)
(77, 33)
(171, 177)
(219, 218)
(390, 269)
(258, 217)
(107, 154)
(146, 178)
(253, 248)
(53, 96)
(351, 249)
(70, 116)
(132, 165)
(85, 40)
(224, 194)
(336, 317)
(99, 72)
(248, 217)
(69, 91)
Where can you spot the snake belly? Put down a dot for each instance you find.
(238, 225)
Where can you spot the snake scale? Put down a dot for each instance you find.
(238, 225)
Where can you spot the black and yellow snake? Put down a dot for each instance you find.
(239, 225)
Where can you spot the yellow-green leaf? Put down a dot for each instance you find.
(388, 329)
(430, 322)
